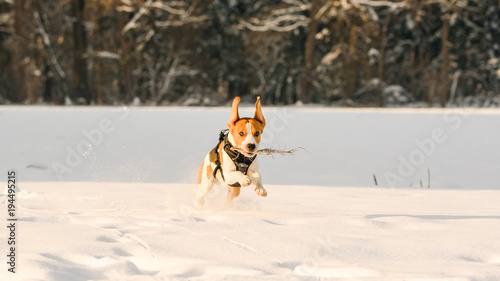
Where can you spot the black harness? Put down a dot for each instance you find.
(240, 161)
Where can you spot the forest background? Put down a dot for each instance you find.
(330, 52)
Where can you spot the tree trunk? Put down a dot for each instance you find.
(99, 73)
(352, 40)
(126, 83)
(51, 64)
(381, 61)
(432, 88)
(24, 80)
(443, 90)
(309, 51)
(47, 94)
(353, 65)
(80, 71)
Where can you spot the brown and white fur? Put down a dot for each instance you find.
(244, 134)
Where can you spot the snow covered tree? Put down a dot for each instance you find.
(339, 52)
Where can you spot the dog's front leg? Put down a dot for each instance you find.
(257, 180)
(238, 177)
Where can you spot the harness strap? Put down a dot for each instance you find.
(222, 136)
(241, 162)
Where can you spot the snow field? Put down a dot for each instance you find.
(138, 231)
(106, 194)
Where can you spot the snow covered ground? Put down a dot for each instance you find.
(106, 194)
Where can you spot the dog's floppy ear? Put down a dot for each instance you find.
(234, 116)
(258, 113)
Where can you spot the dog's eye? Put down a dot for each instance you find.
(257, 134)
(242, 134)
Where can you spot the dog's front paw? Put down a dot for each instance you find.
(261, 191)
(244, 180)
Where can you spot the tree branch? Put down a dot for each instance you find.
(274, 25)
(297, 7)
(380, 3)
(6, 18)
(132, 23)
(177, 23)
(165, 7)
(48, 47)
(174, 71)
(108, 55)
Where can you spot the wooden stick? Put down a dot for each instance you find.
(270, 151)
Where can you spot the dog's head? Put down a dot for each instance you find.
(245, 133)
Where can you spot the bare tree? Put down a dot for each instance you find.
(24, 79)
(314, 20)
(80, 68)
(53, 62)
(343, 52)
(126, 58)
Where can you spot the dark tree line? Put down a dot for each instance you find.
(342, 52)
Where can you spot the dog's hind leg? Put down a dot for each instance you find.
(233, 192)
(203, 189)
(205, 183)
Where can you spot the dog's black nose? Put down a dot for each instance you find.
(251, 146)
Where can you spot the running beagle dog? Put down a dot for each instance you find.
(233, 161)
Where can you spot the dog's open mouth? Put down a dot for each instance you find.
(247, 153)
